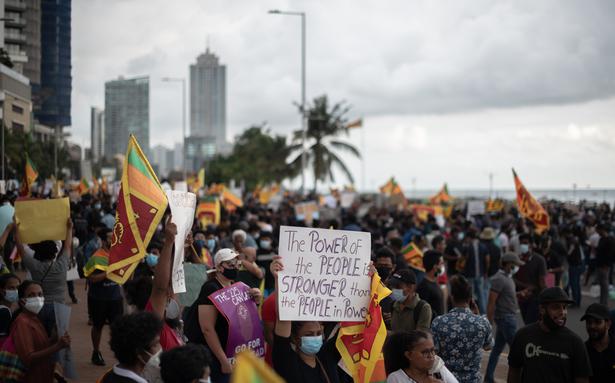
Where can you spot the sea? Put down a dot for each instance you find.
(565, 195)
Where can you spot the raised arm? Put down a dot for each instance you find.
(282, 328)
(162, 273)
(68, 242)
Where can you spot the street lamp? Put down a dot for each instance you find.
(183, 81)
(303, 106)
(3, 19)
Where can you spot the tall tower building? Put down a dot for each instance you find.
(14, 37)
(52, 101)
(126, 112)
(32, 16)
(97, 133)
(208, 98)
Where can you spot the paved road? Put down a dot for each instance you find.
(82, 348)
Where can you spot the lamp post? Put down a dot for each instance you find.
(304, 124)
(183, 82)
(3, 19)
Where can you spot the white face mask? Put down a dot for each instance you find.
(172, 310)
(34, 304)
(514, 270)
(11, 295)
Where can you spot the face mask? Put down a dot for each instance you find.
(265, 245)
(200, 243)
(211, 245)
(524, 248)
(75, 242)
(229, 273)
(97, 206)
(34, 304)
(151, 260)
(153, 363)
(310, 345)
(172, 310)
(440, 271)
(11, 295)
(460, 236)
(383, 271)
(398, 295)
(514, 270)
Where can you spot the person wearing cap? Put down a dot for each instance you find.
(429, 289)
(502, 309)
(461, 335)
(600, 346)
(530, 279)
(547, 351)
(409, 311)
(204, 324)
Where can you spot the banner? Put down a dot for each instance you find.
(475, 208)
(195, 275)
(208, 211)
(182, 206)
(307, 212)
(325, 274)
(42, 219)
(140, 207)
(245, 330)
(529, 207)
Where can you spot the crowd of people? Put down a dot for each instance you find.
(475, 276)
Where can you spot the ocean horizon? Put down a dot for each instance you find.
(567, 195)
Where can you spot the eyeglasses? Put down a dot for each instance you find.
(428, 352)
(231, 263)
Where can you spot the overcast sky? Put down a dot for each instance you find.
(449, 90)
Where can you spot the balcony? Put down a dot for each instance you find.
(15, 23)
(14, 37)
(19, 5)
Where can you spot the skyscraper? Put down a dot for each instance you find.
(126, 112)
(208, 98)
(32, 16)
(14, 38)
(52, 101)
(97, 133)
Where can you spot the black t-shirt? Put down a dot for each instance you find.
(431, 292)
(291, 368)
(529, 274)
(5, 320)
(603, 363)
(550, 357)
(105, 290)
(453, 249)
(192, 327)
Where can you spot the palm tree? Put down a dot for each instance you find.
(324, 125)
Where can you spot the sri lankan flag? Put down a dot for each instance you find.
(98, 261)
(413, 256)
(83, 187)
(494, 205)
(360, 343)
(529, 207)
(230, 200)
(250, 369)
(30, 175)
(391, 188)
(441, 197)
(208, 211)
(140, 206)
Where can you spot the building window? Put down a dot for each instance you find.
(17, 127)
(17, 109)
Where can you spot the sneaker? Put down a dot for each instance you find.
(97, 358)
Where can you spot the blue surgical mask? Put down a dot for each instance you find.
(11, 295)
(211, 245)
(398, 295)
(460, 236)
(151, 260)
(97, 206)
(524, 248)
(310, 345)
(265, 245)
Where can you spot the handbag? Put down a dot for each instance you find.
(11, 367)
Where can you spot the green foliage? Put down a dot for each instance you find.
(325, 123)
(257, 157)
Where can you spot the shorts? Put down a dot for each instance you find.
(105, 311)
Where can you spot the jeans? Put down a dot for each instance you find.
(505, 332)
(478, 290)
(603, 279)
(574, 282)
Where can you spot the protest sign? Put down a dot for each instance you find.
(65, 355)
(6, 216)
(43, 219)
(475, 208)
(307, 211)
(182, 206)
(325, 274)
(181, 186)
(195, 275)
(2, 187)
(347, 199)
(245, 330)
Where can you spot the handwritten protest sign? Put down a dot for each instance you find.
(325, 274)
(182, 206)
(43, 219)
(245, 330)
(195, 274)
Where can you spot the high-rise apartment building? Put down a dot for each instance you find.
(97, 134)
(126, 112)
(52, 101)
(14, 36)
(32, 16)
(208, 98)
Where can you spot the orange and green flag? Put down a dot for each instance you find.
(251, 369)
(98, 261)
(442, 197)
(83, 187)
(30, 175)
(391, 188)
(140, 206)
(530, 208)
(230, 200)
(360, 343)
(413, 256)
